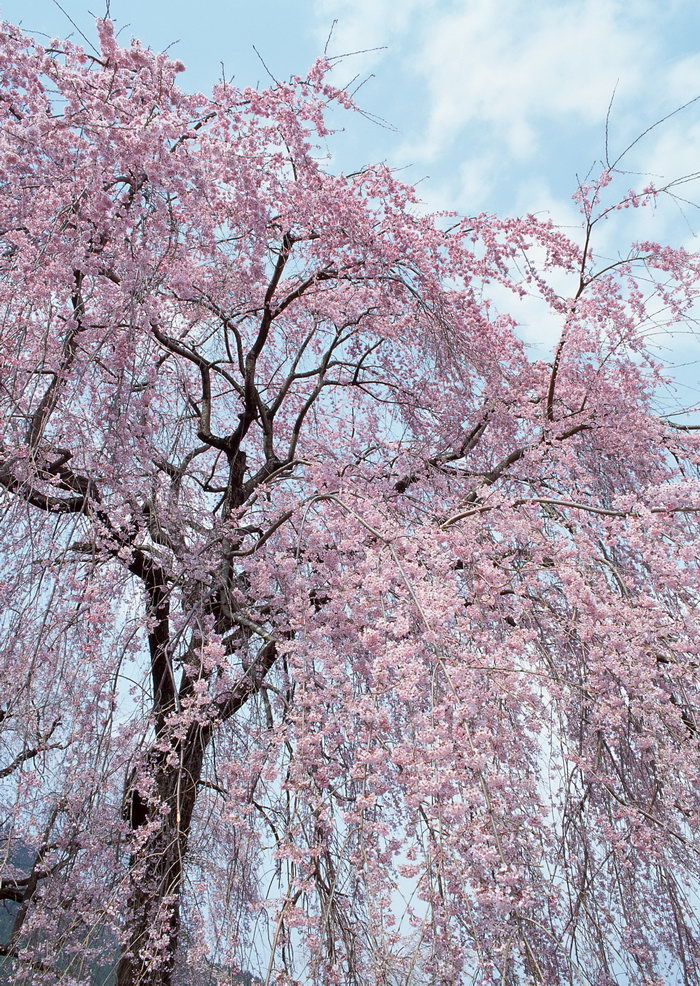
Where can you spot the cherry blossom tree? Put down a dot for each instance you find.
(343, 642)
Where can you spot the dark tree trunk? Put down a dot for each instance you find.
(157, 863)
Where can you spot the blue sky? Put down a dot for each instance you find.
(493, 105)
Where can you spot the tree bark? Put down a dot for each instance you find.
(156, 865)
(157, 862)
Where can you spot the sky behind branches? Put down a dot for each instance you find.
(488, 105)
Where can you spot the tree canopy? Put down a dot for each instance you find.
(343, 641)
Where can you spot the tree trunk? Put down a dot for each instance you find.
(157, 862)
(161, 827)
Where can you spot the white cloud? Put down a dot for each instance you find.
(468, 188)
(510, 65)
